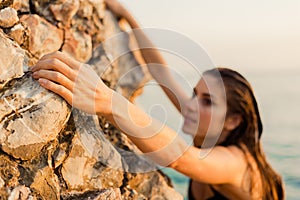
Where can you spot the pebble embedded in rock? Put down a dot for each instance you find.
(8, 17)
(17, 33)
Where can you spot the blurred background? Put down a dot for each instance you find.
(258, 38)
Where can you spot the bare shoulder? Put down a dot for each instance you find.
(242, 154)
(249, 170)
(236, 151)
(241, 157)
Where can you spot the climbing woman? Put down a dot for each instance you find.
(223, 109)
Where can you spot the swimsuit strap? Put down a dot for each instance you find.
(217, 195)
(190, 194)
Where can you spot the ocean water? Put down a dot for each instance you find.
(278, 95)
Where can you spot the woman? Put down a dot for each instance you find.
(234, 168)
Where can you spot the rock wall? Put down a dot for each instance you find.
(47, 149)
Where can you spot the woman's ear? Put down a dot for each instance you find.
(232, 122)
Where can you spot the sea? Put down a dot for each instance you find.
(278, 95)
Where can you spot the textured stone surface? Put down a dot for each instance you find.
(21, 192)
(132, 75)
(107, 194)
(46, 184)
(90, 151)
(65, 11)
(21, 5)
(78, 45)
(30, 117)
(1, 183)
(153, 185)
(44, 37)
(5, 3)
(17, 33)
(11, 60)
(47, 150)
(8, 17)
(89, 18)
(9, 172)
(42, 8)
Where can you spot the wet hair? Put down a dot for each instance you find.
(241, 100)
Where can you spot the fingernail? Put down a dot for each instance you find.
(34, 74)
(42, 81)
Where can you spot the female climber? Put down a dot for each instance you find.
(226, 160)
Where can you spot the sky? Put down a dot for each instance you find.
(245, 35)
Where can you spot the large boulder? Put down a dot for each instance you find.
(48, 150)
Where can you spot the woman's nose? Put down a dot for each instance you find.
(192, 105)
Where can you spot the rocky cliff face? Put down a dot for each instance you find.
(47, 149)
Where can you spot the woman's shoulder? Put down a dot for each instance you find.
(242, 158)
(236, 150)
(251, 179)
(238, 153)
(241, 151)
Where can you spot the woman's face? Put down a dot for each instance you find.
(204, 114)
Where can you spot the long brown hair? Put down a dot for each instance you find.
(241, 100)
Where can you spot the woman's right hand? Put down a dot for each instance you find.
(76, 82)
(116, 7)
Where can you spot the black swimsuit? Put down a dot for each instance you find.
(217, 195)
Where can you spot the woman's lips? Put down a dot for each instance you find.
(189, 120)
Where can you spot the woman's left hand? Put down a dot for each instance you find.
(76, 82)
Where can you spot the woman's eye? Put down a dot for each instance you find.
(206, 102)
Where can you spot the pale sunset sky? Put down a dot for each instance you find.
(258, 34)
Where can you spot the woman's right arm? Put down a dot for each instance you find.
(79, 85)
(156, 64)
